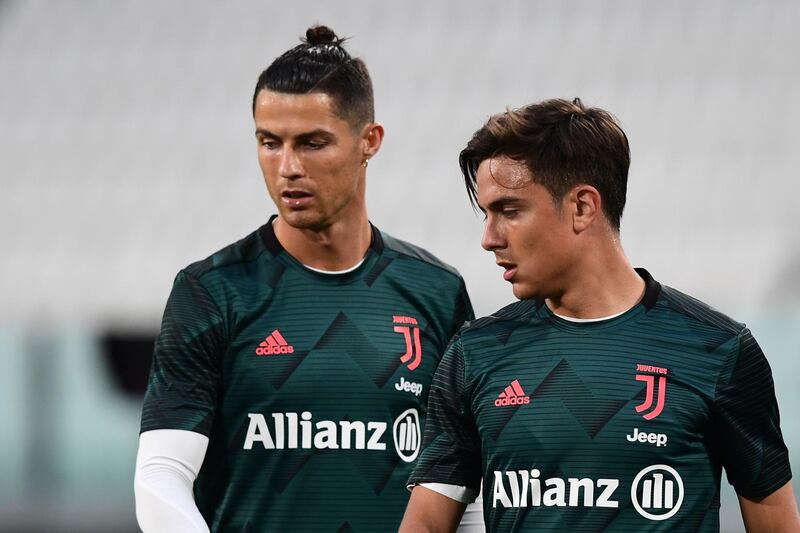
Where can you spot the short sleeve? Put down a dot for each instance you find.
(451, 452)
(747, 422)
(185, 376)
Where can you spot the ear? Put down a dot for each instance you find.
(371, 137)
(586, 205)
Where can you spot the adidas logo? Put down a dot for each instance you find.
(512, 395)
(274, 344)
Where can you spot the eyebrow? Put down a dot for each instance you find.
(499, 203)
(319, 132)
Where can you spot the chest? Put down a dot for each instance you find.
(335, 351)
(599, 402)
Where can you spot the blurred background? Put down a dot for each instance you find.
(127, 152)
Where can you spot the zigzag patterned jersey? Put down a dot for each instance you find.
(617, 425)
(311, 387)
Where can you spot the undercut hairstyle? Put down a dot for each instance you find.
(562, 144)
(320, 64)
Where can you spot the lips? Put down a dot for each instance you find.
(510, 270)
(296, 198)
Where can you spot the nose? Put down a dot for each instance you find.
(290, 166)
(492, 238)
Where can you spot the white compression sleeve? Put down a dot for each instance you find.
(454, 492)
(166, 467)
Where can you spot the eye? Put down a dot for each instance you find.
(269, 144)
(315, 145)
(509, 213)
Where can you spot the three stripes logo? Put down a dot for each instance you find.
(654, 391)
(408, 326)
(512, 395)
(274, 344)
(657, 492)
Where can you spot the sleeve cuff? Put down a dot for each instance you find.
(454, 492)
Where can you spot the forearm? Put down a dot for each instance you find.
(166, 467)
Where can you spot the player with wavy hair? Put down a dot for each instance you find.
(602, 400)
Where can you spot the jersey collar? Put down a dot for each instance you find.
(276, 248)
(652, 288)
(652, 291)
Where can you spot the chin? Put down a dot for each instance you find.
(521, 292)
(301, 219)
(524, 292)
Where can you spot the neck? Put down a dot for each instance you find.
(603, 283)
(337, 247)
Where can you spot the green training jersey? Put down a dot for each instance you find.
(618, 425)
(311, 387)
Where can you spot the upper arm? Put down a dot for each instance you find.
(431, 512)
(747, 424)
(451, 446)
(776, 513)
(184, 378)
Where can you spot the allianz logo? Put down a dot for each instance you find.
(656, 491)
(523, 488)
(286, 431)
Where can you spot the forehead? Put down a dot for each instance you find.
(503, 177)
(294, 113)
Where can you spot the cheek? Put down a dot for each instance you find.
(269, 173)
(341, 175)
(523, 236)
(267, 165)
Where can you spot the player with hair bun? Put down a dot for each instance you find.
(290, 378)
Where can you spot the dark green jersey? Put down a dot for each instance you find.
(311, 387)
(618, 425)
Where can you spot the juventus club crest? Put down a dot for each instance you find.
(655, 379)
(409, 327)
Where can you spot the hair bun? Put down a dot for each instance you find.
(321, 35)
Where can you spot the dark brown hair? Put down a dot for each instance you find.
(320, 64)
(562, 144)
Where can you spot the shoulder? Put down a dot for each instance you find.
(698, 323)
(422, 257)
(479, 344)
(246, 250)
(507, 318)
(695, 311)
